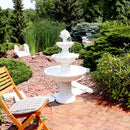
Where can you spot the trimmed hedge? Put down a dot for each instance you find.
(112, 78)
(19, 71)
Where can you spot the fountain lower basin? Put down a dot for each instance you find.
(64, 79)
(73, 73)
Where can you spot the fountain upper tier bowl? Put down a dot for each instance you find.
(59, 74)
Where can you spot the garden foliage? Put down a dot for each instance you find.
(112, 78)
(68, 11)
(3, 50)
(17, 22)
(19, 71)
(42, 34)
(82, 28)
(111, 39)
(55, 49)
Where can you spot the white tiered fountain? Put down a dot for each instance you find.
(65, 73)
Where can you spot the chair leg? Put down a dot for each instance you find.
(42, 124)
(27, 122)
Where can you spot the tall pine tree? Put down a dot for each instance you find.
(17, 22)
(68, 11)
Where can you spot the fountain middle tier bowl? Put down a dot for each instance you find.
(58, 74)
(65, 58)
(64, 45)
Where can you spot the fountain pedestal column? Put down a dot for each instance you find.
(65, 94)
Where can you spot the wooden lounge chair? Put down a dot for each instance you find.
(29, 107)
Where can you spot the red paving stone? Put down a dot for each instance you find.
(86, 113)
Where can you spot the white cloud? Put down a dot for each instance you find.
(9, 4)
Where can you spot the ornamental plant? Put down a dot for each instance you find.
(55, 49)
(19, 71)
(112, 78)
(111, 39)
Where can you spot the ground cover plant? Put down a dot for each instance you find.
(19, 71)
(112, 78)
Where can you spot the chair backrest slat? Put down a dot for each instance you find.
(2, 70)
(6, 90)
(3, 78)
(2, 75)
(5, 81)
(5, 86)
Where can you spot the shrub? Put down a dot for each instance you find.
(81, 29)
(11, 45)
(76, 47)
(55, 49)
(3, 50)
(112, 78)
(110, 40)
(52, 50)
(19, 71)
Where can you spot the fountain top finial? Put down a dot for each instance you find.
(64, 35)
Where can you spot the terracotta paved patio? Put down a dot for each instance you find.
(87, 113)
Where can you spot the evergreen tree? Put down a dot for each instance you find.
(116, 10)
(44, 8)
(17, 22)
(3, 25)
(68, 11)
(90, 10)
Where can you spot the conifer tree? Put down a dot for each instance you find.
(90, 10)
(3, 24)
(17, 22)
(68, 11)
(44, 8)
(116, 10)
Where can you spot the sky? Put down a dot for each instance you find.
(9, 4)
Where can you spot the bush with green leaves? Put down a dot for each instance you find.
(10, 46)
(81, 29)
(52, 50)
(3, 50)
(55, 49)
(76, 47)
(110, 40)
(19, 71)
(112, 78)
